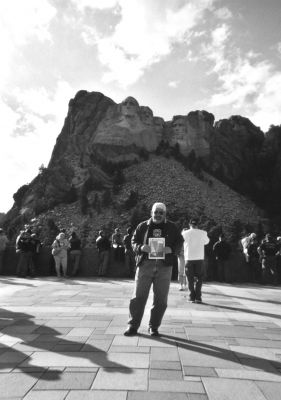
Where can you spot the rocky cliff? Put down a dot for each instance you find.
(103, 146)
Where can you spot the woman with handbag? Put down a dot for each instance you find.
(59, 252)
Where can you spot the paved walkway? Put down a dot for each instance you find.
(64, 340)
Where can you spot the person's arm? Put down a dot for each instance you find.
(206, 238)
(137, 240)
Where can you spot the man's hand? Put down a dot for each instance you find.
(168, 250)
(145, 248)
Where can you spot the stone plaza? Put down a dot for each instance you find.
(63, 339)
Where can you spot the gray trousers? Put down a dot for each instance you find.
(157, 274)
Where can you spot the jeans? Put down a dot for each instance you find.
(269, 270)
(74, 258)
(157, 274)
(130, 262)
(61, 261)
(103, 262)
(25, 264)
(194, 272)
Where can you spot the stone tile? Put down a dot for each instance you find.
(195, 396)
(16, 385)
(271, 390)
(13, 357)
(258, 364)
(154, 342)
(173, 365)
(129, 349)
(178, 386)
(208, 357)
(96, 345)
(199, 371)
(96, 395)
(255, 352)
(66, 380)
(46, 395)
(204, 331)
(276, 344)
(125, 341)
(164, 354)
(118, 379)
(231, 389)
(249, 375)
(240, 332)
(81, 369)
(80, 332)
(156, 396)
(168, 374)
(60, 347)
(90, 359)
(31, 347)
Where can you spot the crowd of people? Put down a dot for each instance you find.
(262, 258)
(149, 253)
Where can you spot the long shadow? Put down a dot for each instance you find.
(11, 281)
(243, 359)
(278, 316)
(20, 325)
(244, 298)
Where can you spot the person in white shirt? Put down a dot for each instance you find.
(194, 252)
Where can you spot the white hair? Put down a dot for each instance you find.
(159, 205)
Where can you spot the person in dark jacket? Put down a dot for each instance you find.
(222, 252)
(103, 245)
(255, 271)
(24, 247)
(156, 242)
(268, 251)
(129, 252)
(35, 248)
(74, 253)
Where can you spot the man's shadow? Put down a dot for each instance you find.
(257, 363)
(20, 325)
(245, 298)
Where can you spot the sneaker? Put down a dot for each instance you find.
(153, 331)
(198, 301)
(130, 331)
(192, 299)
(181, 289)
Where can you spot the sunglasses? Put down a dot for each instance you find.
(158, 212)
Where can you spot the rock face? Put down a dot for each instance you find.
(234, 150)
(99, 137)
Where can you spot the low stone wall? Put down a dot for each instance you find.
(46, 265)
(89, 265)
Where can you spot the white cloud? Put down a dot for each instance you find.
(21, 155)
(145, 35)
(95, 4)
(249, 84)
(223, 13)
(22, 19)
(173, 84)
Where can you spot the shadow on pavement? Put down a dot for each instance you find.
(246, 360)
(20, 325)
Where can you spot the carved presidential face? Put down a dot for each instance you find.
(129, 106)
(158, 124)
(179, 128)
(146, 115)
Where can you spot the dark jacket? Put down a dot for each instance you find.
(103, 244)
(170, 232)
(222, 250)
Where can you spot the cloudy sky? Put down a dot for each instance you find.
(175, 56)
